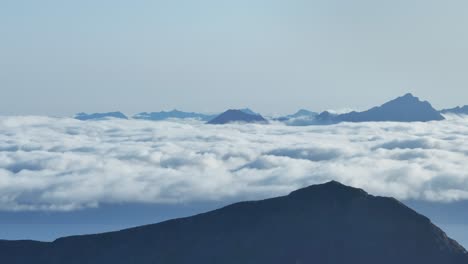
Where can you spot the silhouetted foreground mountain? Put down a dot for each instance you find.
(457, 110)
(237, 116)
(407, 108)
(328, 223)
(174, 114)
(97, 116)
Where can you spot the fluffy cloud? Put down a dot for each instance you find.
(65, 164)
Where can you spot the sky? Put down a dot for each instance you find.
(62, 57)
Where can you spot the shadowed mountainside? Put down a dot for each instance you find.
(327, 223)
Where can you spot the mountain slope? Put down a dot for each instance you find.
(237, 116)
(328, 223)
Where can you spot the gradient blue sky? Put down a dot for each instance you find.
(61, 57)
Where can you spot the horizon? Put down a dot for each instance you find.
(343, 109)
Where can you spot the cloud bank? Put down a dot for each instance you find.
(65, 164)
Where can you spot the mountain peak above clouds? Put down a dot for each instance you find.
(100, 116)
(237, 116)
(406, 108)
(173, 114)
(463, 110)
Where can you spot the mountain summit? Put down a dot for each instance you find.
(407, 108)
(237, 116)
(327, 223)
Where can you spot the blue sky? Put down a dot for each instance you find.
(62, 57)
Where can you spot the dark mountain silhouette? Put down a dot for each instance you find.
(407, 108)
(97, 116)
(237, 116)
(457, 110)
(328, 223)
(163, 115)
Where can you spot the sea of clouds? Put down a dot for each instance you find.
(64, 164)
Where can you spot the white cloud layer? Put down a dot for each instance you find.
(65, 164)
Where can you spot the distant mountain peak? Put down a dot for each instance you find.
(329, 189)
(463, 110)
(406, 108)
(172, 114)
(99, 116)
(302, 117)
(248, 111)
(303, 112)
(408, 98)
(237, 116)
(410, 95)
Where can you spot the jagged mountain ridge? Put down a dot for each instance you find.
(456, 110)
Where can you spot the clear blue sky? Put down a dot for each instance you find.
(60, 57)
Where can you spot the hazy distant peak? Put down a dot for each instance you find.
(237, 116)
(406, 108)
(172, 114)
(97, 116)
(248, 111)
(304, 112)
(456, 110)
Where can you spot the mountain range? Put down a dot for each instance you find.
(326, 223)
(457, 110)
(406, 108)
